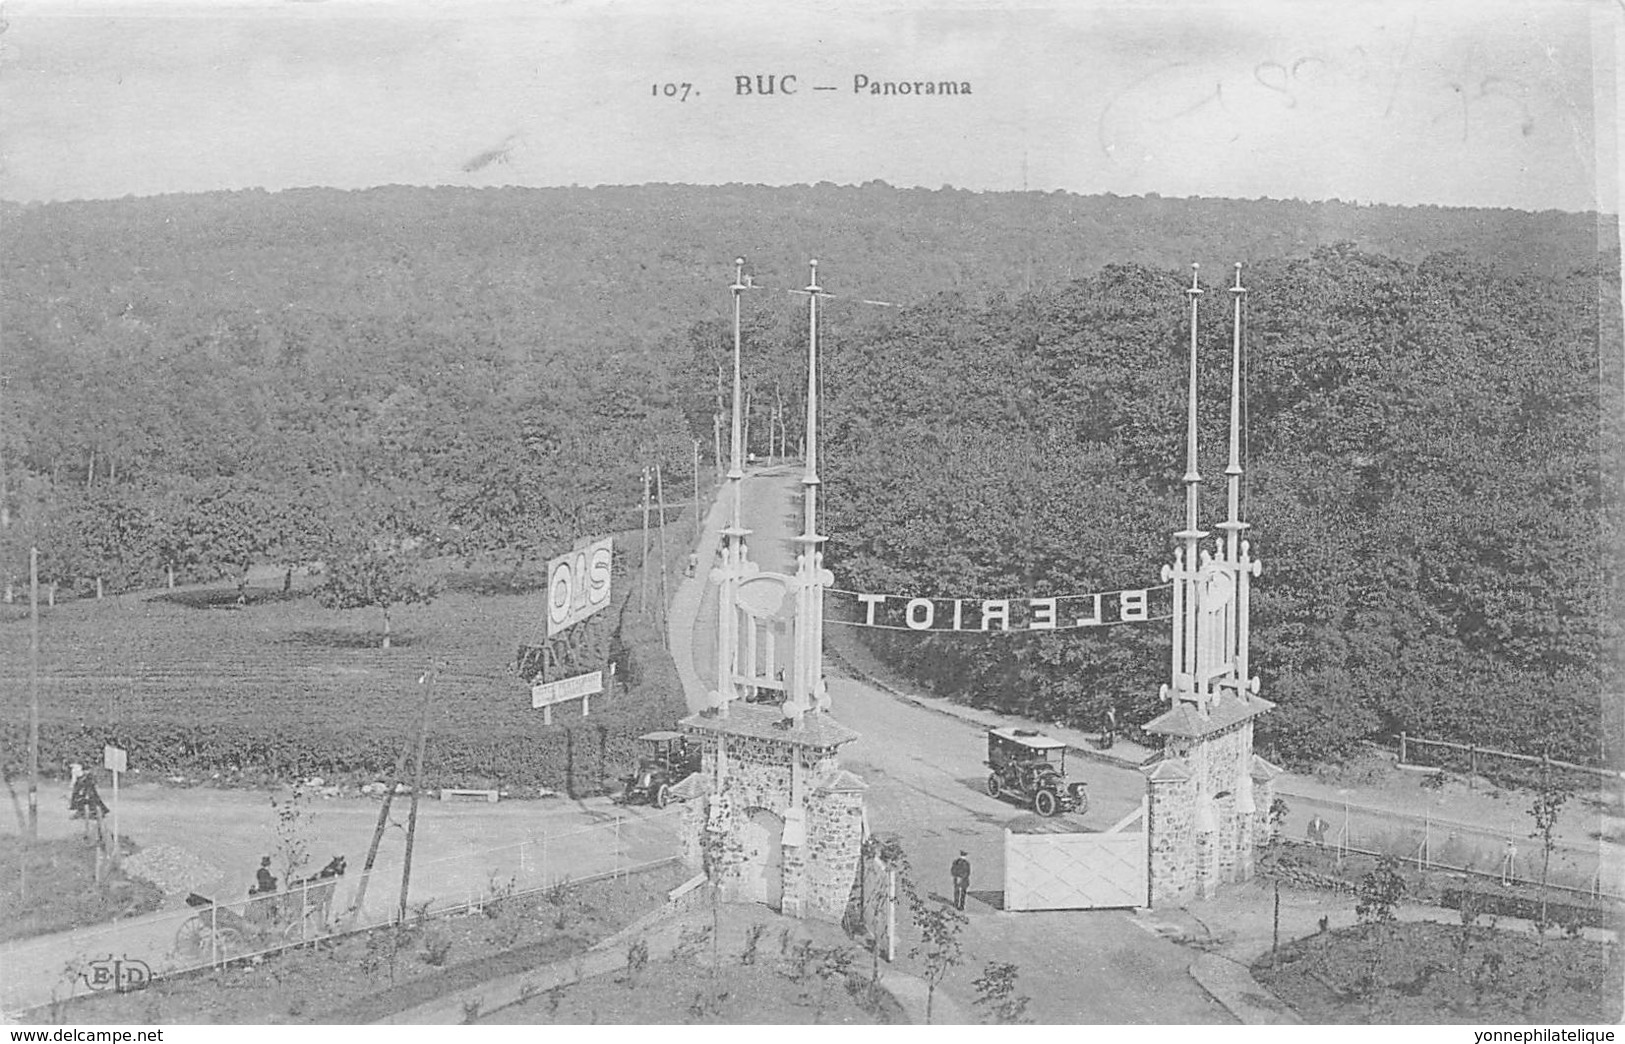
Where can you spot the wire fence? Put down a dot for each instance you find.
(1474, 761)
(218, 929)
(1596, 870)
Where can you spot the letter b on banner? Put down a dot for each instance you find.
(578, 584)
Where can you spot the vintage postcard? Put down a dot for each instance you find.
(946, 512)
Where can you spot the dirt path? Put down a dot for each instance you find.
(459, 851)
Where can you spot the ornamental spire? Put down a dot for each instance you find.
(807, 690)
(733, 551)
(1233, 525)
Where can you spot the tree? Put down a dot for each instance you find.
(996, 994)
(115, 525)
(230, 527)
(1377, 897)
(1379, 892)
(939, 925)
(1551, 795)
(372, 577)
(294, 833)
(376, 559)
(886, 850)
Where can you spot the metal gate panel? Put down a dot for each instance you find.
(1051, 870)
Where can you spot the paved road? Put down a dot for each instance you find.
(925, 776)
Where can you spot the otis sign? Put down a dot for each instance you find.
(578, 584)
(1060, 613)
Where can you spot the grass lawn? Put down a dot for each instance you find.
(1435, 973)
(796, 972)
(51, 886)
(365, 977)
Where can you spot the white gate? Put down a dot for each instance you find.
(1051, 865)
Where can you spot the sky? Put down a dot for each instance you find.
(1490, 103)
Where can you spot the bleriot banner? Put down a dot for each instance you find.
(578, 583)
(1000, 615)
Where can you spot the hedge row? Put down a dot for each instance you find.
(583, 757)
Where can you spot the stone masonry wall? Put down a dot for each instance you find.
(1170, 818)
(834, 847)
(816, 876)
(1185, 862)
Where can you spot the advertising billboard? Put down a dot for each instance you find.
(578, 583)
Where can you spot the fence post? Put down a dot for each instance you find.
(1275, 937)
(214, 935)
(1472, 767)
(617, 876)
(891, 917)
(1402, 746)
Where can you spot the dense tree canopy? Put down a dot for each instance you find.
(196, 384)
(1422, 479)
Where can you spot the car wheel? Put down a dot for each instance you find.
(993, 787)
(1045, 803)
(662, 796)
(1082, 797)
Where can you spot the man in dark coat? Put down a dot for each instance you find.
(961, 874)
(264, 880)
(84, 800)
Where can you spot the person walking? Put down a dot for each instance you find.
(84, 801)
(961, 875)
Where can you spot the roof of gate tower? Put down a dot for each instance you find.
(1186, 720)
(760, 721)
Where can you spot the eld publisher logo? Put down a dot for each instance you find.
(119, 974)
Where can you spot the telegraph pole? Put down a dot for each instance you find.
(378, 831)
(696, 489)
(660, 492)
(643, 596)
(33, 694)
(427, 681)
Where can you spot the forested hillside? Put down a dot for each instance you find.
(1422, 450)
(195, 384)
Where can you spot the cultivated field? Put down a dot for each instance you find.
(201, 688)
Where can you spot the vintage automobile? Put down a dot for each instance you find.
(664, 760)
(1031, 767)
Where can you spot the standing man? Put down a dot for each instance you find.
(961, 874)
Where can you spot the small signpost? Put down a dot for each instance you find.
(116, 761)
(581, 687)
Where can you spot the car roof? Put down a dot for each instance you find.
(1027, 738)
